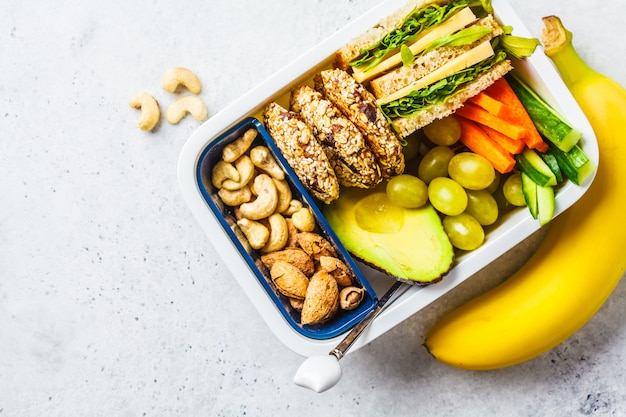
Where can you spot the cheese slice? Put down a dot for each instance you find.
(455, 23)
(466, 60)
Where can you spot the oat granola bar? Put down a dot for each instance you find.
(303, 152)
(359, 105)
(352, 160)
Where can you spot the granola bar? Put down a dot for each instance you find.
(359, 106)
(303, 152)
(352, 160)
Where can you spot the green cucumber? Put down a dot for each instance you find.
(529, 189)
(550, 124)
(545, 204)
(575, 164)
(553, 164)
(531, 164)
(539, 199)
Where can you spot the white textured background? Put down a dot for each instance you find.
(112, 300)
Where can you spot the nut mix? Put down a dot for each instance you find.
(174, 81)
(303, 265)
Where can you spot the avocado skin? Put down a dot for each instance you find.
(410, 245)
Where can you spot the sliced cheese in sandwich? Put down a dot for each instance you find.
(466, 60)
(431, 59)
(458, 21)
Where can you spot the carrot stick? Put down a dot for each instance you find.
(515, 113)
(473, 112)
(488, 103)
(480, 143)
(511, 145)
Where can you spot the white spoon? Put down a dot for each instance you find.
(322, 372)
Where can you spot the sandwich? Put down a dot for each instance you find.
(426, 59)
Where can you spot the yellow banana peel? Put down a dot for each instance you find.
(581, 259)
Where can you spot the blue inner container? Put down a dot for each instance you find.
(343, 320)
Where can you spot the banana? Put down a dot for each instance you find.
(581, 259)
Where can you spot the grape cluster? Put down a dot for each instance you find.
(462, 186)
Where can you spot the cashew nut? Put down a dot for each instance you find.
(234, 198)
(245, 169)
(263, 159)
(303, 220)
(223, 171)
(183, 105)
(266, 201)
(150, 112)
(294, 205)
(239, 146)
(255, 232)
(284, 195)
(177, 76)
(278, 233)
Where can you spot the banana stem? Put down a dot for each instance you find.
(558, 46)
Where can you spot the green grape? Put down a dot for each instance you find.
(482, 206)
(498, 194)
(443, 132)
(471, 170)
(496, 182)
(464, 231)
(512, 190)
(407, 191)
(435, 163)
(412, 147)
(447, 196)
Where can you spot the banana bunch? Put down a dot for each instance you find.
(580, 261)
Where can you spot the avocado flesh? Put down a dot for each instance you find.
(408, 244)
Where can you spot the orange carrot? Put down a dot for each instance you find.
(480, 143)
(515, 113)
(479, 115)
(514, 146)
(488, 103)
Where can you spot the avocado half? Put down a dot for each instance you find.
(407, 244)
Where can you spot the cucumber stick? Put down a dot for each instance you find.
(575, 164)
(545, 204)
(539, 199)
(530, 163)
(550, 124)
(553, 164)
(529, 189)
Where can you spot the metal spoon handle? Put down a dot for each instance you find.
(356, 331)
